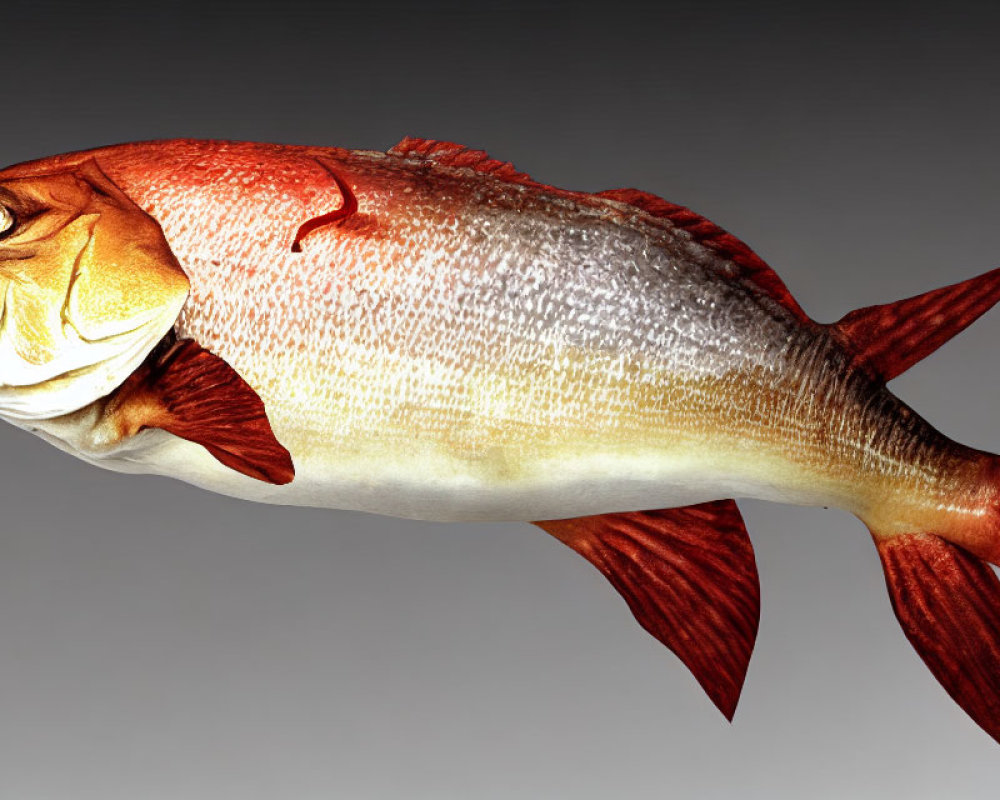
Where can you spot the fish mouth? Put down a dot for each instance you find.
(83, 372)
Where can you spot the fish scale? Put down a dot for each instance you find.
(424, 349)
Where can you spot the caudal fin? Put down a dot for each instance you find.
(948, 603)
(946, 598)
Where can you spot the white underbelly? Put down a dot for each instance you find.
(434, 486)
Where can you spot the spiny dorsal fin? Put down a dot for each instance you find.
(689, 577)
(705, 232)
(887, 340)
(449, 154)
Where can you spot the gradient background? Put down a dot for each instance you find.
(162, 642)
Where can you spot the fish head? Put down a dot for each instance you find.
(88, 287)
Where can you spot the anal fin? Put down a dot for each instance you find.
(689, 577)
(948, 604)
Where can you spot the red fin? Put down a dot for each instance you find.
(456, 155)
(705, 232)
(689, 577)
(889, 339)
(348, 206)
(948, 602)
(749, 265)
(197, 396)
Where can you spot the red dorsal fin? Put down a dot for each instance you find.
(887, 340)
(449, 154)
(748, 264)
(705, 232)
(689, 577)
(191, 393)
(948, 603)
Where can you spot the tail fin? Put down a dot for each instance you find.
(887, 340)
(948, 603)
(946, 599)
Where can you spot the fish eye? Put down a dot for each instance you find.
(8, 222)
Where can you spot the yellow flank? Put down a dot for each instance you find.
(589, 417)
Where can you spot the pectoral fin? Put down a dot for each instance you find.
(186, 390)
(689, 577)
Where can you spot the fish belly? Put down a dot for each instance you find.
(418, 484)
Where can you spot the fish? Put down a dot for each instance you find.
(429, 333)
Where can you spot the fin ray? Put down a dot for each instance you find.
(948, 604)
(689, 577)
(449, 154)
(188, 391)
(889, 339)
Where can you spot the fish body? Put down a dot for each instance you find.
(468, 348)
(428, 333)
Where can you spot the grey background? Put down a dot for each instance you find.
(161, 642)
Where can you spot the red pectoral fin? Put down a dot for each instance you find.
(689, 577)
(197, 396)
(948, 603)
